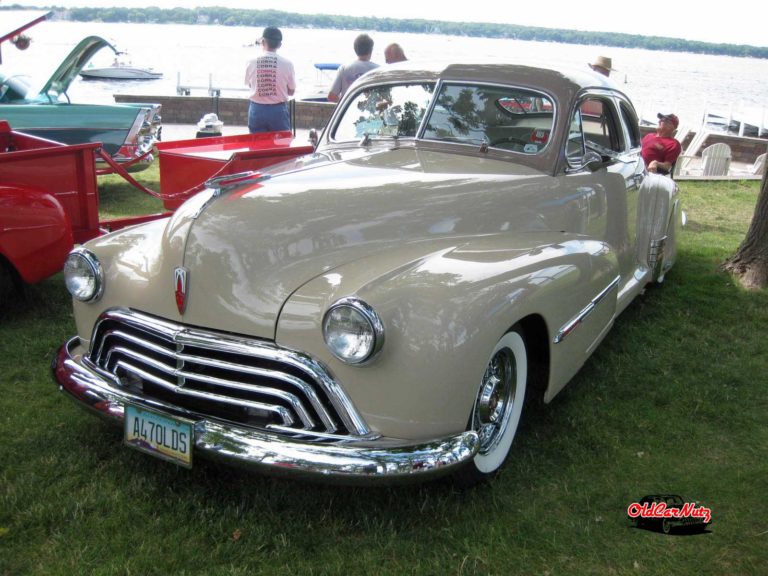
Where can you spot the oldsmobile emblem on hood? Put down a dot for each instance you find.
(180, 275)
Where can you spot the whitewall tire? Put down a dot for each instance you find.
(498, 407)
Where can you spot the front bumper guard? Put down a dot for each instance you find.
(344, 461)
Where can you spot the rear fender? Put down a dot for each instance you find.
(35, 232)
(443, 312)
(658, 223)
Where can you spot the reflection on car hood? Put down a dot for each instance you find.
(250, 249)
(71, 66)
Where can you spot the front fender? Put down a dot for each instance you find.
(35, 232)
(444, 307)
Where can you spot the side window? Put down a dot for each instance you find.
(602, 131)
(633, 128)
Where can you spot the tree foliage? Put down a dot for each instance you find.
(216, 15)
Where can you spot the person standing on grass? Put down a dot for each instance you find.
(272, 80)
(348, 73)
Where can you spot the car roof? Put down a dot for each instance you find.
(562, 84)
(561, 81)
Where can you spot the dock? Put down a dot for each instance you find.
(231, 111)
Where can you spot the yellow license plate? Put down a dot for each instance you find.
(160, 435)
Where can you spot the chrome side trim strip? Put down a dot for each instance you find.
(574, 323)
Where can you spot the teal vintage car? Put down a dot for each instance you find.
(128, 132)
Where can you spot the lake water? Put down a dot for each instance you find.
(687, 84)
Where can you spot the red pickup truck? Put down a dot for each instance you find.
(49, 198)
(48, 201)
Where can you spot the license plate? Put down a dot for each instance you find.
(160, 435)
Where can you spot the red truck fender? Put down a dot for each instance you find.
(35, 232)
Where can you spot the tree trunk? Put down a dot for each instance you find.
(750, 262)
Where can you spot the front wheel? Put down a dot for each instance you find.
(498, 407)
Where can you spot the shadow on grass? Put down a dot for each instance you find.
(678, 531)
(48, 299)
(726, 228)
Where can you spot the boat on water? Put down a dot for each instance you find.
(120, 70)
(326, 72)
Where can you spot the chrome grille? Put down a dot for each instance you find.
(227, 377)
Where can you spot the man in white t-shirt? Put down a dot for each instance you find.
(272, 80)
(348, 73)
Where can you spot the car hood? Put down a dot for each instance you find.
(249, 249)
(71, 66)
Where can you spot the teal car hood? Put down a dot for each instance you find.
(71, 66)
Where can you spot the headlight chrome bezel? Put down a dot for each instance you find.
(363, 313)
(85, 260)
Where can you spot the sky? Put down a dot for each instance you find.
(733, 22)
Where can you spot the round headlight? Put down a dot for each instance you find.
(83, 275)
(353, 331)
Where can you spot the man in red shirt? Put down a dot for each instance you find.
(660, 150)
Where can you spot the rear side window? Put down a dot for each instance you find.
(633, 128)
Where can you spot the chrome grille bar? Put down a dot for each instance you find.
(218, 369)
(282, 412)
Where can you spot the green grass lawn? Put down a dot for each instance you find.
(674, 400)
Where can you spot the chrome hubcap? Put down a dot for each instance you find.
(495, 399)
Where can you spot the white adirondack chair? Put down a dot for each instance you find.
(759, 165)
(716, 159)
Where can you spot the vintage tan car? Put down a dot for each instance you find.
(462, 237)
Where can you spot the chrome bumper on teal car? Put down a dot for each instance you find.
(271, 453)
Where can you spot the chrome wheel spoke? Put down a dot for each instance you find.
(495, 399)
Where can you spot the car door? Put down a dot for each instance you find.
(601, 156)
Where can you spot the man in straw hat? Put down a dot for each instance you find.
(602, 65)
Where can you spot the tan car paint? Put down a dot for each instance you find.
(450, 244)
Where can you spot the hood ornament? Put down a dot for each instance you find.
(180, 282)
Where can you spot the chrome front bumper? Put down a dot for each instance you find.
(271, 453)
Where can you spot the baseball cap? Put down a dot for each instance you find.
(671, 118)
(272, 33)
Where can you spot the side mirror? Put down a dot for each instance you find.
(314, 137)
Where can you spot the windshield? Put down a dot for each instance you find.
(513, 119)
(14, 88)
(385, 111)
(510, 118)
